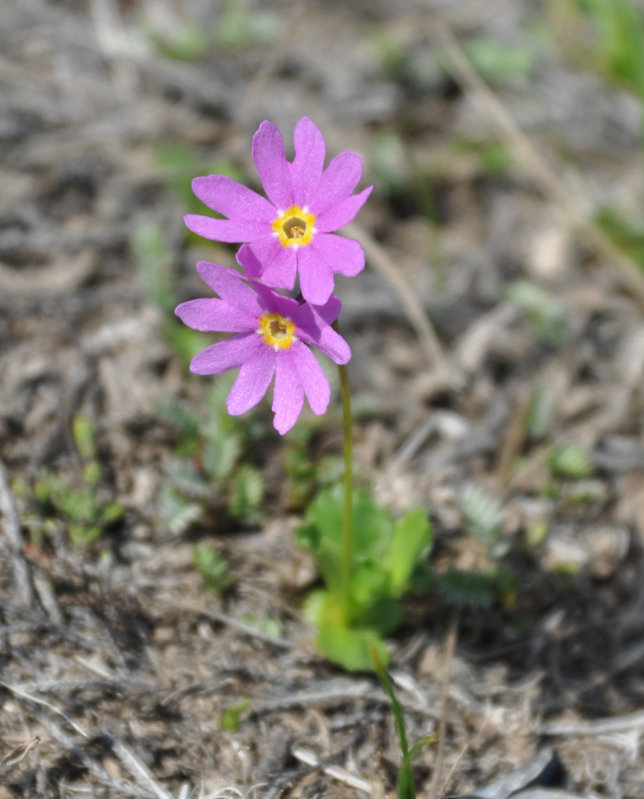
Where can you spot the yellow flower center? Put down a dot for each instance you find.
(294, 227)
(277, 331)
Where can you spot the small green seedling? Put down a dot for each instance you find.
(83, 508)
(212, 566)
(231, 717)
(211, 470)
(405, 780)
(572, 461)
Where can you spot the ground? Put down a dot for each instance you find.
(498, 355)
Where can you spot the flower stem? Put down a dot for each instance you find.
(347, 516)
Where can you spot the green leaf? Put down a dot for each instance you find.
(466, 589)
(188, 481)
(78, 504)
(111, 513)
(185, 421)
(220, 457)
(246, 494)
(571, 460)
(498, 61)
(82, 536)
(484, 516)
(540, 413)
(231, 716)
(372, 525)
(155, 265)
(176, 515)
(410, 543)
(350, 648)
(213, 568)
(83, 437)
(92, 473)
(369, 582)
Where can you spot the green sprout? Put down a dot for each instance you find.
(405, 779)
(212, 566)
(82, 507)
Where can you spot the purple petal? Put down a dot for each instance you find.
(272, 166)
(248, 262)
(232, 199)
(288, 396)
(307, 166)
(330, 310)
(342, 212)
(316, 277)
(274, 301)
(226, 354)
(212, 315)
(252, 381)
(265, 249)
(280, 272)
(224, 229)
(338, 180)
(312, 328)
(314, 381)
(230, 286)
(344, 256)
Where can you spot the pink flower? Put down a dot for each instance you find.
(273, 336)
(291, 232)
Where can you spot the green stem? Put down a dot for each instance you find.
(347, 516)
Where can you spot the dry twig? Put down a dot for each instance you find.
(22, 577)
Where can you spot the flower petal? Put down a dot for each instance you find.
(230, 286)
(275, 301)
(272, 166)
(314, 381)
(312, 328)
(340, 214)
(330, 310)
(224, 229)
(307, 166)
(252, 381)
(224, 355)
(232, 199)
(246, 258)
(288, 396)
(316, 277)
(281, 270)
(266, 249)
(338, 180)
(212, 315)
(342, 255)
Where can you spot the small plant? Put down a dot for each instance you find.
(83, 508)
(540, 413)
(212, 566)
(572, 461)
(355, 610)
(231, 716)
(212, 470)
(483, 517)
(368, 560)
